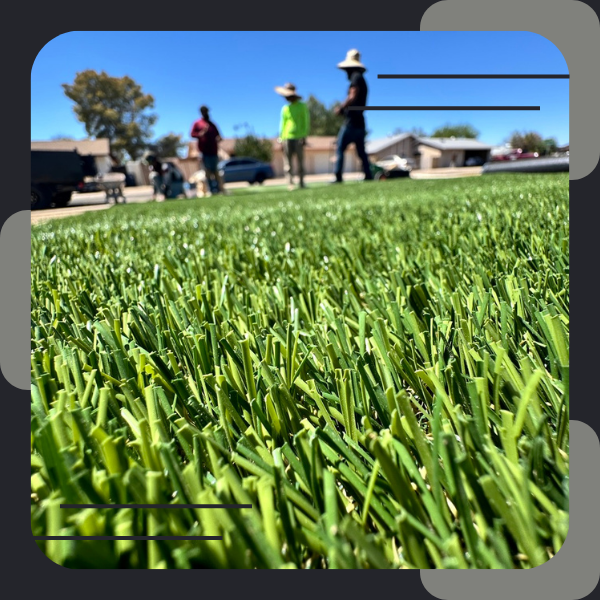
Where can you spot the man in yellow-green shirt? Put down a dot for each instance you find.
(294, 127)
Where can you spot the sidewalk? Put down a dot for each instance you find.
(446, 173)
(282, 181)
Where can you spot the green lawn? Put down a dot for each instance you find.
(380, 369)
(266, 189)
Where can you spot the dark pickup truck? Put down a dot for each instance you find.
(55, 175)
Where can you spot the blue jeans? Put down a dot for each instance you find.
(352, 135)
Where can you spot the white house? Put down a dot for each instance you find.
(429, 152)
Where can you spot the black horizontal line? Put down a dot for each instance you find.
(156, 505)
(128, 537)
(474, 76)
(443, 108)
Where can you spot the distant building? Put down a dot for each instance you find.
(319, 156)
(451, 152)
(429, 152)
(401, 144)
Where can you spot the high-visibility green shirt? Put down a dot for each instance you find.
(295, 121)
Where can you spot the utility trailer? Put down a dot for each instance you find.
(56, 174)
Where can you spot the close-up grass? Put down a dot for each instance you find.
(381, 370)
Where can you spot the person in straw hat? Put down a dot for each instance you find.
(353, 130)
(293, 129)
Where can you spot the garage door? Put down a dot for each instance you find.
(319, 163)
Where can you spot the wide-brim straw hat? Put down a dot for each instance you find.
(287, 91)
(352, 61)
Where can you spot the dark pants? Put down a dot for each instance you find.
(352, 135)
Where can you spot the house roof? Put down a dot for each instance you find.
(100, 147)
(376, 146)
(454, 143)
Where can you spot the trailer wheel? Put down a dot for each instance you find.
(40, 198)
(61, 199)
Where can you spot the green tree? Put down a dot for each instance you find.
(550, 146)
(115, 108)
(528, 141)
(253, 146)
(462, 130)
(168, 146)
(323, 120)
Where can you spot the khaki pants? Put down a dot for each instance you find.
(291, 148)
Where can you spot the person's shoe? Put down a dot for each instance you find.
(336, 181)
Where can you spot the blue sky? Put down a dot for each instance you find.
(234, 74)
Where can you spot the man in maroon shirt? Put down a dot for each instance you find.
(208, 136)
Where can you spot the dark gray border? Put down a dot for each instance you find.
(15, 298)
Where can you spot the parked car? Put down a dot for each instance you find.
(245, 169)
(514, 154)
(391, 167)
(474, 161)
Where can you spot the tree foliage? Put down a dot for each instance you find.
(115, 108)
(531, 141)
(550, 146)
(323, 120)
(253, 146)
(461, 130)
(168, 146)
